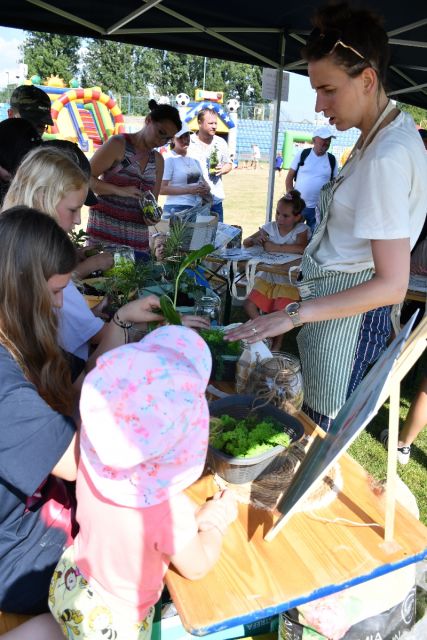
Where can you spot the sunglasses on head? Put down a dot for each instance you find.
(326, 43)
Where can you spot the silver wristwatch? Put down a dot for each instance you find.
(292, 309)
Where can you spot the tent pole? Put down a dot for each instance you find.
(275, 134)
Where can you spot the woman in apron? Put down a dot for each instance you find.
(357, 264)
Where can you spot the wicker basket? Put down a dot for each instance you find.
(241, 470)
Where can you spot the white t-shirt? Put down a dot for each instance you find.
(383, 196)
(290, 238)
(77, 323)
(202, 153)
(314, 173)
(182, 171)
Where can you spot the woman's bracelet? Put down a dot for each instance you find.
(123, 325)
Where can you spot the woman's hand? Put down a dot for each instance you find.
(195, 322)
(268, 326)
(142, 310)
(128, 192)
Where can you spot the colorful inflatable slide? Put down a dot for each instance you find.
(86, 116)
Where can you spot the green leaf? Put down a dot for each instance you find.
(169, 311)
(192, 257)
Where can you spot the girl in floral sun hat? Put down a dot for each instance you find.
(144, 437)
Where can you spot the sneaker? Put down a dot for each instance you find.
(403, 453)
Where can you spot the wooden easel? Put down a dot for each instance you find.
(413, 350)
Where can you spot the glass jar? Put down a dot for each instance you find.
(121, 253)
(278, 380)
(209, 307)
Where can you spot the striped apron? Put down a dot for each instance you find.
(328, 348)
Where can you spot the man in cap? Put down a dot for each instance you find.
(310, 170)
(32, 104)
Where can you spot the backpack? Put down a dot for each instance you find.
(304, 154)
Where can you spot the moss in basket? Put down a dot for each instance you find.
(247, 438)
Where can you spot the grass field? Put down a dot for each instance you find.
(245, 205)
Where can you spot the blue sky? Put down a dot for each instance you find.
(10, 39)
(300, 105)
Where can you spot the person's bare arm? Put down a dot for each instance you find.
(256, 239)
(223, 169)
(201, 554)
(109, 154)
(289, 182)
(387, 287)
(66, 467)
(112, 335)
(98, 262)
(196, 189)
(160, 166)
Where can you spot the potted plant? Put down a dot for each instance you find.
(224, 354)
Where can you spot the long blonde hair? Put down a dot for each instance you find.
(33, 248)
(44, 177)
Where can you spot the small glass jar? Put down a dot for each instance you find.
(209, 307)
(121, 253)
(278, 380)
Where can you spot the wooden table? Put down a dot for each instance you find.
(308, 558)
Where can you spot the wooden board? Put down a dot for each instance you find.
(355, 414)
(307, 559)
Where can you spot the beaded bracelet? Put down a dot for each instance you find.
(123, 325)
(120, 323)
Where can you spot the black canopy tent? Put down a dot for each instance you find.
(264, 32)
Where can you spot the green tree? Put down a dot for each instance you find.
(48, 54)
(122, 68)
(418, 114)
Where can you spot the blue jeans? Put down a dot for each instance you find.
(309, 215)
(217, 208)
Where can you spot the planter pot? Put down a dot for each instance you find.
(241, 470)
(224, 368)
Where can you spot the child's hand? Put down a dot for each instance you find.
(217, 513)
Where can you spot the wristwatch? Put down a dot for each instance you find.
(292, 309)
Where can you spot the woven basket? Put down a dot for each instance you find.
(241, 470)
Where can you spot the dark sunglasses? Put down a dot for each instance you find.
(327, 42)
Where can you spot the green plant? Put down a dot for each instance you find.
(248, 437)
(122, 281)
(168, 306)
(79, 238)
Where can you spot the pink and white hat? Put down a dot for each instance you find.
(145, 419)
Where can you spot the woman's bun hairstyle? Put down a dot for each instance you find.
(361, 29)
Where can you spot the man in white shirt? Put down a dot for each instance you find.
(310, 170)
(212, 153)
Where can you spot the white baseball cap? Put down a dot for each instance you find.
(323, 132)
(185, 129)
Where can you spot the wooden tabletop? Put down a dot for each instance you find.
(309, 558)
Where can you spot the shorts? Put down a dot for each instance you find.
(82, 613)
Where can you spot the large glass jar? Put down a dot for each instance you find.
(278, 380)
(210, 307)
